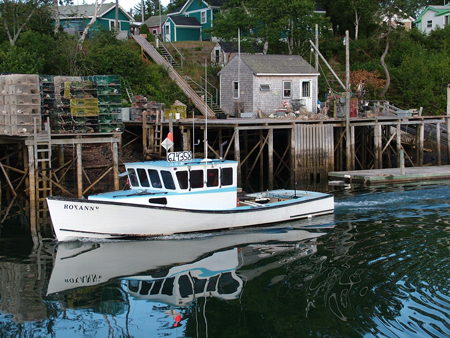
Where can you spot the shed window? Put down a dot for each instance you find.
(203, 15)
(429, 24)
(154, 178)
(196, 179)
(235, 90)
(287, 85)
(217, 55)
(306, 89)
(264, 87)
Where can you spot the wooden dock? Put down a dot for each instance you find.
(392, 175)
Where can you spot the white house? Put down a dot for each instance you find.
(433, 17)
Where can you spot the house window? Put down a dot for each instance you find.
(446, 20)
(264, 87)
(287, 85)
(112, 24)
(203, 17)
(155, 32)
(306, 89)
(429, 24)
(235, 90)
(217, 55)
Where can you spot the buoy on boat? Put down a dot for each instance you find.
(170, 137)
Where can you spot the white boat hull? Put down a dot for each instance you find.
(79, 218)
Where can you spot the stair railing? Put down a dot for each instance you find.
(204, 82)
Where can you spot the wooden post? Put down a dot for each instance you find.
(144, 135)
(420, 132)
(79, 171)
(399, 143)
(438, 141)
(237, 155)
(347, 103)
(378, 149)
(270, 158)
(115, 151)
(352, 146)
(261, 161)
(186, 142)
(448, 139)
(293, 154)
(31, 174)
(61, 160)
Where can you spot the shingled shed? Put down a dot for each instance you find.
(249, 83)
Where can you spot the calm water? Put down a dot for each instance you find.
(379, 267)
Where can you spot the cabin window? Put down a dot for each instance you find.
(185, 286)
(143, 177)
(133, 285)
(133, 178)
(168, 286)
(156, 287)
(235, 90)
(154, 178)
(145, 288)
(213, 178)
(168, 179)
(287, 89)
(264, 87)
(227, 284)
(196, 179)
(227, 176)
(183, 180)
(199, 285)
(212, 283)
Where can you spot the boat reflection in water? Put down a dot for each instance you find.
(178, 270)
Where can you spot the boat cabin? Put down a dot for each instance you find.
(182, 176)
(193, 184)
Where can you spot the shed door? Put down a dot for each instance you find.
(167, 31)
(305, 94)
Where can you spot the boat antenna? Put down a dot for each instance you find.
(206, 109)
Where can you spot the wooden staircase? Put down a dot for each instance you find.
(211, 100)
(175, 76)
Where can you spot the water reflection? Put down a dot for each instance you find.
(379, 268)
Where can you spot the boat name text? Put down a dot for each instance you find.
(80, 207)
(179, 156)
(88, 279)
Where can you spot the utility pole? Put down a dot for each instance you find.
(348, 137)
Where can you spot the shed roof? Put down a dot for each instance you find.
(185, 21)
(155, 20)
(87, 11)
(278, 64)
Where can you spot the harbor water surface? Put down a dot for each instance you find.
(378, 267)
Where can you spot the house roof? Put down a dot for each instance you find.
(185, 21)
(87, 11)
(440, 10)
(231, 47)
(278, 64)
(154, 21)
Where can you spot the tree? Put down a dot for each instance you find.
(91, 23)
(16, 14)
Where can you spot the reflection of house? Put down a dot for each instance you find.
(223, 52)
(74, 19)
(433, 17)
(155, 23)
(265, 82)
(201, 15)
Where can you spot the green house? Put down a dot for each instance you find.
(74, 19)
(188, 23)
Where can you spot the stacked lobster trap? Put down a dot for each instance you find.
(20, 104)
(83, 104)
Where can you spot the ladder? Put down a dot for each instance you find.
(42, 144)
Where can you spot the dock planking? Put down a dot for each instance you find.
(392, 175)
